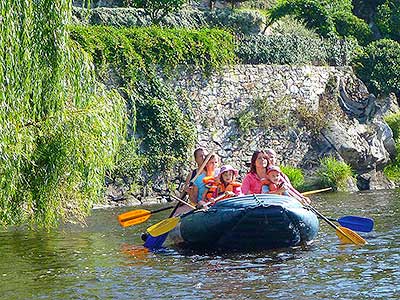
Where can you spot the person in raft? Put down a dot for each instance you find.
(274, 183)
(223, 186)
(258, 169)
(199, 189)
(273, 161)
(199, 156)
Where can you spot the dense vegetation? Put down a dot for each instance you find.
(60, 130)
(161, 130)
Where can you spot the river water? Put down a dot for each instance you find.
(105, 261)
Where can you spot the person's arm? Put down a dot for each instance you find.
(193, 193)
(186, 186)
(246, 184)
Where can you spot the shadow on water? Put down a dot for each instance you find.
(105, 261)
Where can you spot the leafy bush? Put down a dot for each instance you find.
(259, 4)
(293, 49)
(393, 121)
(312, 12)
(378, 66)
(392, 170)
(348, 25)
(167, 131)
(295, 176)
(245, 22)
(237, 21)
(388, 19)
(334, 173)
(157, 9)
(246, 121)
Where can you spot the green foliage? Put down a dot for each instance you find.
(246, 121)
(167, 131)
(259, 4)
(393, 121)
(333, 173)
(392, 170)
(60, 130)
(327, 18)
(295, 176)
(313, 12)
(276, 116)
(378, 66)
(388, 19)
(137, 54)
(348, 25)
(236, 21)
(133, 51)
(157, 9)
(293, 49)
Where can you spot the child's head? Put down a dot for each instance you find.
(227, 174)
(273, 174)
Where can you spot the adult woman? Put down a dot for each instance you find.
(258, 169)
(199, 187)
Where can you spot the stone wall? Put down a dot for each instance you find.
(353, 129)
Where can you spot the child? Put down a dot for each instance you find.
(274, 183)
(223, 186)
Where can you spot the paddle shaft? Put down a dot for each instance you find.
(183, 202)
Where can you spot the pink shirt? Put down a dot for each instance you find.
(251, 184)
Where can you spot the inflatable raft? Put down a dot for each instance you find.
(247, 222)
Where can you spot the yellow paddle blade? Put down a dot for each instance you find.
(348, 236)
(134, 217)
(163, 227)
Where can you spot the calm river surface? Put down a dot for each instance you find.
(105, 261)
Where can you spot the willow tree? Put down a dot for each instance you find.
(59, 129)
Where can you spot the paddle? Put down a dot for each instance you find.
(165, 226)
(137, 216)
(355, 223)
(352, 222)
(316, 191)
(346, 235)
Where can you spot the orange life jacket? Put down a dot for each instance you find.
(232, 187)
(211, 183)
(272, 186)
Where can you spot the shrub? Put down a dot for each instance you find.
(333, 173)
(393, 121)
(157, 9)
(245, 22)
(293, 49)
(295, 176)
(378, 66)
(312, 12)
(246, 121)
(348, 25)
(388, 19)
(392, 170)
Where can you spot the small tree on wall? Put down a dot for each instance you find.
(157, 9)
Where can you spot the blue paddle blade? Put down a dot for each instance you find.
(153, 243)
(357, 223)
